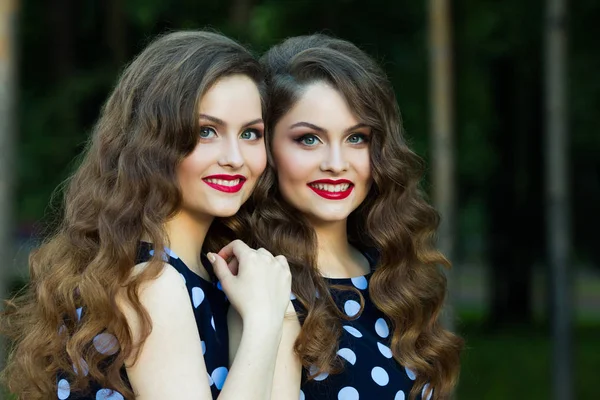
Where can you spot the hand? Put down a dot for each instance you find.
(256, 283)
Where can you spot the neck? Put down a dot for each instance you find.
(336, 257)
(186, 233)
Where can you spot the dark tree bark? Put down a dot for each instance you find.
(62, 37)
(514, 197)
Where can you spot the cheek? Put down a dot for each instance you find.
(363, 166)
(255, 157)
(293, 166)
(193, 164)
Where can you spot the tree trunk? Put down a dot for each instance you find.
(514, 196)
(442, 140)
(116, 34)
(557, 200)
(240, 13)
(60, 17)
(8, 22)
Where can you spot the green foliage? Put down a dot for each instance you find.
(516, 364)
(57, 110)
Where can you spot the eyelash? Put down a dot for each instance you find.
(300, 139)
(258, 134)
(365, 138)
(308, 135)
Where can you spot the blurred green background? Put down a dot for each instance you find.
(70, 53)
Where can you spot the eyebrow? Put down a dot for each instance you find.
(319, 129)
(223, 123)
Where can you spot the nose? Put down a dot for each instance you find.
(231, 154)
(335, 160)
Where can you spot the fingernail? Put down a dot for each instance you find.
(211, 257)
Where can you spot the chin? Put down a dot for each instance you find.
(333, 216)
(224, 212)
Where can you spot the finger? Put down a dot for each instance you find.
(220, 268)
(234, 266)
(282, 260)
(235, 248)
(264, 251)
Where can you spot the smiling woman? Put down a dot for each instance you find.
(230, 139)
(322, 153)
(123, 302)
(345, 207)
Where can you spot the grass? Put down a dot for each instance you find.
(516, 364)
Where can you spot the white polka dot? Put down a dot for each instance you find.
(411, 374)
(210, 381)
(183, 278)
(165, 257)
(292, 296)
(203, 347)
(301, 397)
(218, 376)
(108, 394)
(424, 391)
(78, 311)
(347, 355)
(84, 368)
(387, 353)
(352, 330)
(381, 327)
(106, 343)
(380, 376)
(348, 393)
(212, 322)
(400, 395)
(64, 389)
(360, 282)
(171, 253)
(197, 296)
(313, 370)
(351, 307)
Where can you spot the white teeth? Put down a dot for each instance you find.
(222, 182)
(331, 188)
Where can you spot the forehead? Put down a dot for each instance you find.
(235, 95)
(322, 105)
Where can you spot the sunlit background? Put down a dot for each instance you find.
(482, 79)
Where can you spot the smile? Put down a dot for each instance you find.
(225, 183)
(332, 190)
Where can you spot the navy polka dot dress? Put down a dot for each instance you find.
(210, 310)
(370, 371)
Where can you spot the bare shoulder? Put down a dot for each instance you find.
(163, 298)
(170, 359)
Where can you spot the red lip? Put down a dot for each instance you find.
(223, 188)
(332, 195)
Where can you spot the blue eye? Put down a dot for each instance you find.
(358, 138)
(251, 134)
(307, 140)
(206, 132)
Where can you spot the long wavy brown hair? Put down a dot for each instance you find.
(408, 285)
(125, 187)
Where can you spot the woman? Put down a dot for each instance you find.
(345, 208)
(121, 303)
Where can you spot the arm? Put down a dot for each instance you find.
(170, 361)
(253, 354)
(287, 368)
